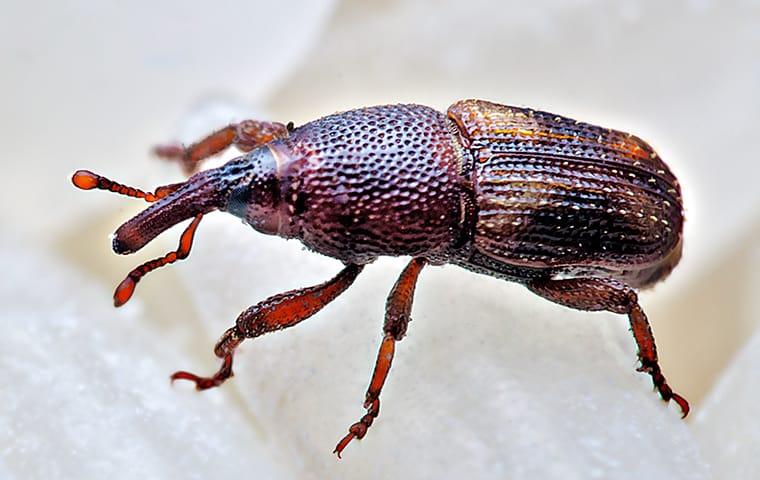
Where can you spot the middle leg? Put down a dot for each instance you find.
(397, 318)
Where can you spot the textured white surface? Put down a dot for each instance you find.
(86, 392)
(491, 382)
(726, 426)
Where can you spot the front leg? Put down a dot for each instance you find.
(245, 135)
(594, 294)
(275, 313)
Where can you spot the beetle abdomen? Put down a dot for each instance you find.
(553, 192)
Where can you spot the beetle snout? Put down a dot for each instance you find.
(119, 246)
(202, 193)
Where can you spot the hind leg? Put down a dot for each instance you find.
(245, 135)
(594, 294)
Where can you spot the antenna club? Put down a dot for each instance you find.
(85, 179)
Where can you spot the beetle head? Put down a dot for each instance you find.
(257, 198)
(247, 186)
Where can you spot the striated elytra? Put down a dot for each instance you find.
(581, 215)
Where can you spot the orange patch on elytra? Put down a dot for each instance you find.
(533, 133)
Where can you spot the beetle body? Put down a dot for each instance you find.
(579, 214)
(488, 187)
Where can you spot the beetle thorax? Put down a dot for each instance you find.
(371, 182)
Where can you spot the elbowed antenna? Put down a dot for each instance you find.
(86, 180)
(200, 194)
(127, 286)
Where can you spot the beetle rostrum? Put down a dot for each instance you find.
(581, 215)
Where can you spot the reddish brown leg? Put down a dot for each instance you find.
(397, 311)
(275, 313)
(245, 135)
(594, 294)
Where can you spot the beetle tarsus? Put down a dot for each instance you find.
(359, 429)
(225, 349)
(662, 387)
(642, 333)
(683, 404)
(204, 383)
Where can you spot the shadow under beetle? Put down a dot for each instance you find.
(580, 215)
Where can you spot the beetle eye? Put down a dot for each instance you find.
(238, 200)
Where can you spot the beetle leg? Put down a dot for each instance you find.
(397, 318)
(275, 313)
(594, 294)
(245, 135)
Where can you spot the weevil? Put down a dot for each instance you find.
(581, 215)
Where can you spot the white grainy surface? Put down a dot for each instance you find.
(725, 426)
(491, 382)
(86, 391)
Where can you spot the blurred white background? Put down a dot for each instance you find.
(491, 381)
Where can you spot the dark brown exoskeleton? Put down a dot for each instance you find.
(580, 215)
